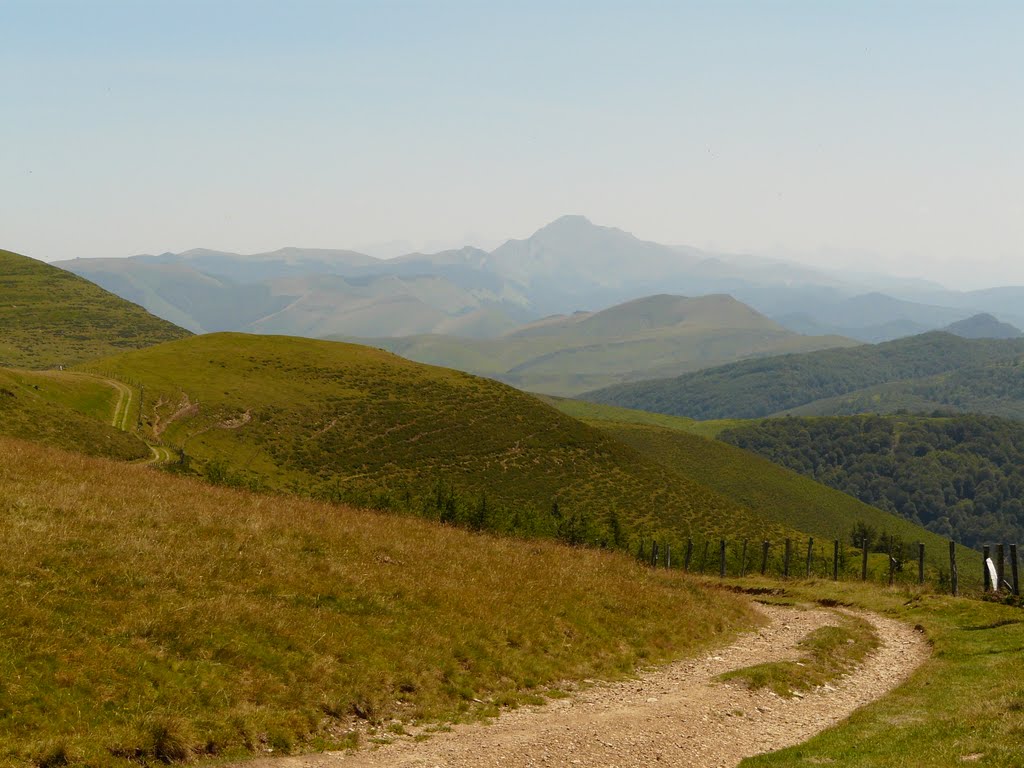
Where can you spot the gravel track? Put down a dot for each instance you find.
(674, 714)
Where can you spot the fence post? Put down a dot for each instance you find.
(786, 559)
(835, 560)
(920, 562)
(764, 556)
(721, 559)
(864, 560)
(668, 556)
(984, 568)
(810, 550)
(743, 560)
(654, 554)
(892, 563)
(689, 554)
(1000, 567)
(954, 577)
(1013, 569)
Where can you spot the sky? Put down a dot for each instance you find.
(883, 136)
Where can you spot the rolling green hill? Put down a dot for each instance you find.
(756, 388)
(655, 336)
(756, 483)
(350, 423)
(49, 317)
(65, 410)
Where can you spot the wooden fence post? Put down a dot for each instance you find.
(954, 577)
(743, 560)
(892, 563)
(668, 556)
(787, 558)
(1000, 567)
(654, 554)
(764, 556)
(1013, 569)
(984, 568)
(721, 559)
(835, 560)
(864, 561)
(689, 554)
(920, 562)
(810, 552)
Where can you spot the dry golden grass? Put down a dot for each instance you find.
(149, 617)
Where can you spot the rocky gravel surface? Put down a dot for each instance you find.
(673, 715)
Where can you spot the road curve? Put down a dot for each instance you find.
(676, 714)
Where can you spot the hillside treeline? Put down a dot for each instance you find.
(959, 476)
(762, 387)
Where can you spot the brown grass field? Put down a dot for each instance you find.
(152, 618)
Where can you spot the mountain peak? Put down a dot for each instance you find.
(569, 221)
(983, 326)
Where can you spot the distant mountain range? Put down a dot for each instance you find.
(567, 266)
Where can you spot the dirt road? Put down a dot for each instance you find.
(676, 714)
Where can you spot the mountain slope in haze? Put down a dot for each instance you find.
(645, 338)
(756, 388)
(872, 317)
(199, 301)
(983, 326)
(349, 423)
(49, 317)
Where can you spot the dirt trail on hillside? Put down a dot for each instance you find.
(675, 714)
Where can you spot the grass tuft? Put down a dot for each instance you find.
(830, 653)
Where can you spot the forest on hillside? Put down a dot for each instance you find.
(765, 386)
(960, 476)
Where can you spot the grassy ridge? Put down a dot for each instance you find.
(350, 423)
(50, 317)
(64, 410)
(149, 617)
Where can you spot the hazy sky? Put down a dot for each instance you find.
(889, 135)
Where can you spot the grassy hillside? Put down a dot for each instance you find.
(65, 410)
(768, 489)
(964, 706)
(961, 476)
(150, 618)
(755, 388)
(349, 423)
(49, 317)
(646, 338)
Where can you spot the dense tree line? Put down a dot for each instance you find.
(765, 386)
(996, 389)
(959, 476)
